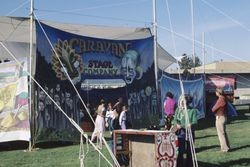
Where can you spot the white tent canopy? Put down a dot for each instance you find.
(16, 31)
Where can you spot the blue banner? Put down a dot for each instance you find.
(84, 58)
(195, 88)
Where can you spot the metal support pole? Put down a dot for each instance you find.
(193, 34)
(30, 71)
(155, 52)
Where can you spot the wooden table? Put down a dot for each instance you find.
(147, 148)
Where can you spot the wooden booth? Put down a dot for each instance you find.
(147, 148)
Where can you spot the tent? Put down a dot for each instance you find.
(15, 33)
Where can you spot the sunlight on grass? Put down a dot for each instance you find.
(206, 143)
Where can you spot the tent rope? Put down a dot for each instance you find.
(71, 120)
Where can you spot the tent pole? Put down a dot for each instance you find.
(30, 71)
(193, 34)
(155, 52)
(203, 51)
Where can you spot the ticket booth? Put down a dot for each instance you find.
(147, 148)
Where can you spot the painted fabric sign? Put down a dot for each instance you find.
(89, 58)
(195, 88)
(225, 82)
(14, 111)
(86, 57)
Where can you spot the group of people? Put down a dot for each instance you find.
(111, 117)
(180, 117)
(176, 120)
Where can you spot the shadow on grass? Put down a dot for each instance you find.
(200, 149)
(205, 164)
(209, 121)
(238, 162)
(14, 145)
(206, 136)
(239, 148)
(53, 144)
(241, 117)
(204, 123)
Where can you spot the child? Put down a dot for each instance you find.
(109, 116)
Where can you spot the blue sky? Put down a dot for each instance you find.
(225, 23)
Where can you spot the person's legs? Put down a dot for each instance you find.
(100, 139)
(181, 150)
(226, 136)
(189, 160)
(93, 136)
(220, 126)
(110, 124)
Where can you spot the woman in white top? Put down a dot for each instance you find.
(123, 117)
(99, 123)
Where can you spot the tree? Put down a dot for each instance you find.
(187, 62)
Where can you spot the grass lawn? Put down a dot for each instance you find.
(206, 143)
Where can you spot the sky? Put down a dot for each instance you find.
(224, 24)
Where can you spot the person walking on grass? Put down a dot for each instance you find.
(99, 123)
(221, 117)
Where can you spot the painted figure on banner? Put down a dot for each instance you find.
(48, 108)
(71, 63)
(153, 101)
(130, 66)
(40, 118)
(41, 108)
(134, 106)
(59, 120)
(148, 93)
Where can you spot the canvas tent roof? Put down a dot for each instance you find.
(16, 30)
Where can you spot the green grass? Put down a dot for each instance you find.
(206, 142)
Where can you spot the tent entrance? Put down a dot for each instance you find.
(89, 84)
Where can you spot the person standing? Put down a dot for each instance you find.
(169, 108)
(183, 120)
(221, 117)
(99, 123)
(118, 106)
(123, 117)
(109, 117)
